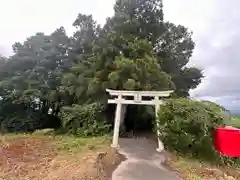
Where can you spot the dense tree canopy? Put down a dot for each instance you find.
(135, 50)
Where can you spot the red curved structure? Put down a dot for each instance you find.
(227, 141)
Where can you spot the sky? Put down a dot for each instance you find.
(215, 26)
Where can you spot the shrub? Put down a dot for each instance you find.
(187, 127)
(23, 118)
(215, 107)
(220, 109)
(84, 120)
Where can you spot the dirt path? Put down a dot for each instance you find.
(143, 162)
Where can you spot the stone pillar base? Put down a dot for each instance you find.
(115, 146)
(159, 150)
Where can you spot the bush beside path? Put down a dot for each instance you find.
(186, 128)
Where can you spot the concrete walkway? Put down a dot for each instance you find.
(143, 162)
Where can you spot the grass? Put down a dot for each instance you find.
(234, 121)
(193, 169)
(39, 156)
(73, 144)
(65, 143)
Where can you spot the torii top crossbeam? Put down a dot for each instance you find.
(137, 96)
(142, 93)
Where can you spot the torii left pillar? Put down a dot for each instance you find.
(117, 123)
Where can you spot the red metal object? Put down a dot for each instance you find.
(227, 141)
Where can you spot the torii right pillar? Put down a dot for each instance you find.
(160, 144)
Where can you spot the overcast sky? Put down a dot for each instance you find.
(215, 24)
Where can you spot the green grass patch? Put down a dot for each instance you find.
(72, 143)
(64, 143)
(12, 136)
(234, 121)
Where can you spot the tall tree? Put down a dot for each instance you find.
(172, 45)
(32, 76)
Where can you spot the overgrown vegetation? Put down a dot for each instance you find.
(52, 81)
(186, 126)
(84, 120)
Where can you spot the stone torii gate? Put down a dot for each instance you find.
(137, 97)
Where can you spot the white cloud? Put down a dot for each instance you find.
(20, 19)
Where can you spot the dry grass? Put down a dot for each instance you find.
(38, 157)
(191, 169)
